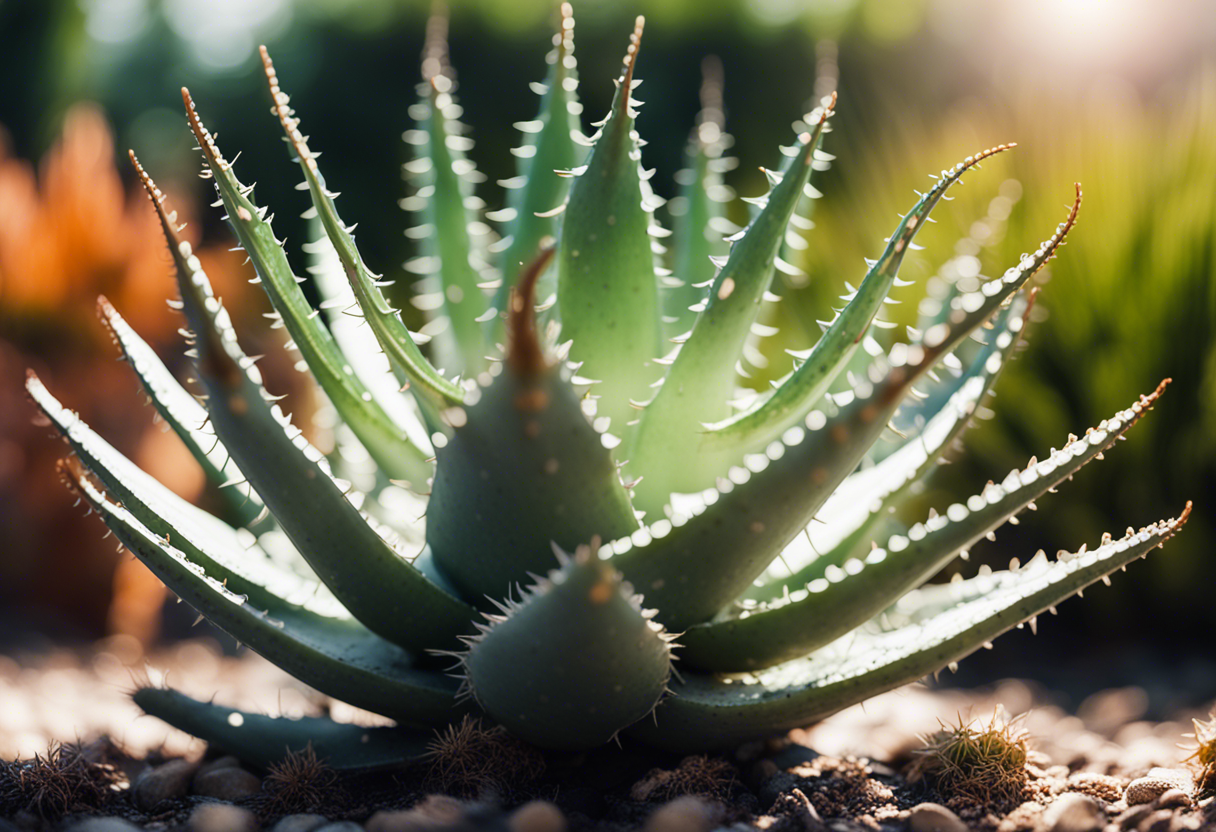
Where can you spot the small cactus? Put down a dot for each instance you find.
(572, 503)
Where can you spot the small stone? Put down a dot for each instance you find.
(165, 782)
(1172, 798)
(537, 816)
(299, 823)
(94, 825)
(227, 784)
(933, 817)
(340, 826)
(433, 813)
(1147, 789)
(227, 761)
(684, 814)
(1102, 786)
(220, 817)
(1073, 812)
(1159, 821)
(1132, 817)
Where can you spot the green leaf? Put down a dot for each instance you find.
(262, 741)
(699, 225)
(453, 239)
(719, 541)
(486, 532)
(728, 711)
(596, 638)
(547, 155)
(314, 642)
(433, 392)
(700, 383)
(606, 284)
(385, 441)
(830, 606)
(368, 575)
(185, 416)
(799, 391)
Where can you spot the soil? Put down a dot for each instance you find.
(863, 769)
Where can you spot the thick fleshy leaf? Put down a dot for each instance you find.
(432, 390)
(524, 470)
(726, 711)
(799, 391)
(830, 606)
(372, 579)
(453, 240)
(328, 651)
(185, 416)
(860, 510)
(701, 380)
(262, 741)
(384, 440)
(606, 283)
(550, 689)
(699, 225)
(547, 155)
(725, 537)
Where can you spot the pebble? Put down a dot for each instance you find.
(1159, 821)
(684, 814)
(1133, 816)
(165, 782)
(227, 783)
(1073, 812)
(227, 761)
(220, 817)
(299, 823)
(434, 812)
(94, 825)
(537, 816)
(1172, 798)
(340, 826)
(933, 817)
(1147, 789)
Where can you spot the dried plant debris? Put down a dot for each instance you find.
(698, 775)
(976, 765)
(1203, 757)
(301, 783)
(469, 760)
(64, 780)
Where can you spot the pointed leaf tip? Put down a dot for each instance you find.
(631, 57)
(525, 356)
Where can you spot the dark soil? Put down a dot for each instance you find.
(866, 768)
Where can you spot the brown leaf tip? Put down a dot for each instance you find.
(525, 356)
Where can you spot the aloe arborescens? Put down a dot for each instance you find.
(594, 507)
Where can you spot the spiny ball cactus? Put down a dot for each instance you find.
(556, 520)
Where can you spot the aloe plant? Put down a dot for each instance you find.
(537, 533)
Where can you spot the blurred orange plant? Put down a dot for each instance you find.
(69, 233)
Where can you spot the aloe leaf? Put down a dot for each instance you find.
(799, 391)
(732, 710)
(722, 539)
(700, 382)
(262, 741)
(828, 607)
(606, 283)
(373, 580)
(547, 155)
(527, 423)
(452, 237)
(185, 416)
(860, 509)
(432, 390)
(326, 650)
(699, 225)
(386, 442)
(596, 637)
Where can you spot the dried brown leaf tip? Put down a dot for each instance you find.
(525, 355)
